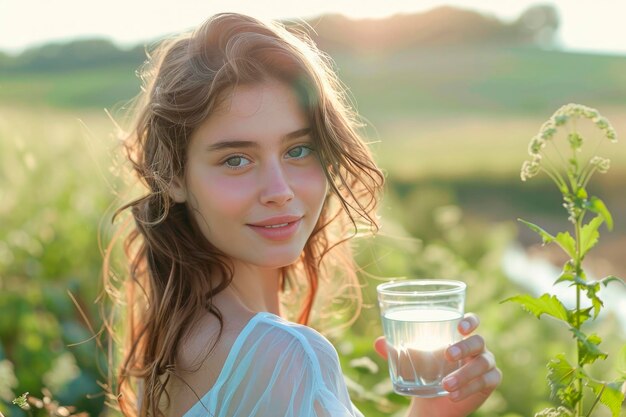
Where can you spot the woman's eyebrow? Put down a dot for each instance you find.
(239, 144)
(297, 134)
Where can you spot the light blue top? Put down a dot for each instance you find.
(279, 369)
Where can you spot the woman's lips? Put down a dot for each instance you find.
(277, 228)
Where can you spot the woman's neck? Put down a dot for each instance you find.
(254, 289)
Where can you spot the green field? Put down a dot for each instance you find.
(422, 104)
(448, 81)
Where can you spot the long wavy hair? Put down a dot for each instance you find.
(171, 275)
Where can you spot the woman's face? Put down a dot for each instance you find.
(253, 180)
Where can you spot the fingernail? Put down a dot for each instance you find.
(450, 382)
(455, 352)
(455, 394)
(465, 326)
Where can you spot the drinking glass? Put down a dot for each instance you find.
(420, 319)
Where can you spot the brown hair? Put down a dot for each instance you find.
(170, 260)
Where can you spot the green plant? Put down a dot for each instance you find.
(46, 406)
(571, 170)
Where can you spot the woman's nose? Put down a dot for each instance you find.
(276, 189)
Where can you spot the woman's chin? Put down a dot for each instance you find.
(276, 261)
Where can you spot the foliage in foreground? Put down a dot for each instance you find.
(45, 406)
(571, 172)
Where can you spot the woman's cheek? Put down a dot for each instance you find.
(315, 181)
(217, 191)
(231, 191)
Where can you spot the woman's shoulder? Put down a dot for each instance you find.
(201, 354)
(210, 338)
(275, 365)
(280, 333)
(261, 336)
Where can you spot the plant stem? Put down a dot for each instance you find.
(588, 177)
(596, 401)
(555, 177)
(578, 266)
(552, 169)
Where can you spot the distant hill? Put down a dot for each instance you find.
(78, 54)
(333, 33)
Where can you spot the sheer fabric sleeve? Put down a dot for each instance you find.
(282, 370)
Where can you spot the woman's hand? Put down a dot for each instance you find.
(469, 386)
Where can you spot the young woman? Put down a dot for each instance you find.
(255, 178)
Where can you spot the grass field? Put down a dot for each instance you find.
(75, 89)
(481, 81)
(474, 145)
(448, 81)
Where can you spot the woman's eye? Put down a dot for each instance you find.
(299, 152)
(236, 162)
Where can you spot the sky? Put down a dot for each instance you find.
(586, 25)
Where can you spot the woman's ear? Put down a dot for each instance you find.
(177, 190)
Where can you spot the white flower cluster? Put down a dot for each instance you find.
(601, 164)
(571, 208)
(531, 168)
(574, 111)
(561, 116)
(554, 412)
(549, 129)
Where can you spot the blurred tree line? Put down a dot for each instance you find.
(439, 27)
(332, 33)
(87, 53)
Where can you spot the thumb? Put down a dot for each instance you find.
(380, 346)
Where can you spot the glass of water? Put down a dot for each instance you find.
(420, 319)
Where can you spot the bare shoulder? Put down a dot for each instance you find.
(200, 359)
(208, 333)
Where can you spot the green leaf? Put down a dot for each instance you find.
(561, 376)
(569, 266)
(545, 304)
(610, 395)
(606, 280)
(565, 276)
(560, 371)
(564, 239)
(596, 302)
(567, 243)
(545, 236)
(591, 290)
(589, 234)
(580, 316)
(569, 270)
(21, 401)
(597, 206)
(589, 351)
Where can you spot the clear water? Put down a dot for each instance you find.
(416, 341)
